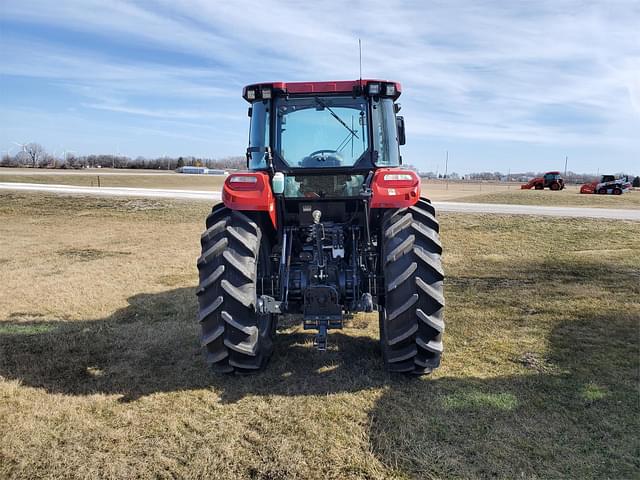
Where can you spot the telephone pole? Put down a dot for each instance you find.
(446, 170)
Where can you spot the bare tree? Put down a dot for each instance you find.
(35, 153)
(7, 161)
(47, 160)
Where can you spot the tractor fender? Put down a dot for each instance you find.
(250, 191)
(394, 188)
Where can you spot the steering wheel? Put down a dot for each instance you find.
(322, 158)
(318, 152)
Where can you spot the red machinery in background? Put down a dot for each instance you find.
(607, 184)
(551, 180)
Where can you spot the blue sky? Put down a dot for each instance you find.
(500, 85)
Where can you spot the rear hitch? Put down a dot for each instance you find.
(320, 340)
(322, 324)
(321, 312)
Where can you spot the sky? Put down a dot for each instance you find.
(498, 85)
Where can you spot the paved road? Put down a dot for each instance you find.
(111, 191)
(584, 212)
(610, 213)
(89, 172)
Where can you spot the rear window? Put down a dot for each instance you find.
(322, 186)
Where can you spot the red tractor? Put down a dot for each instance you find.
(551, 180)
(607, 184)
(325, 223)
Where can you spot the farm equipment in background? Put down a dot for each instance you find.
(325, 223)
(551, 180)
(607, 184)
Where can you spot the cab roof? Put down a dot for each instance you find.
(370, 87)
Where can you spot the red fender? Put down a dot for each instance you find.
(394, 188)
(250, 192)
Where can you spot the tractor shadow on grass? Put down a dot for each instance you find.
(570, 407)
(152, 346)
(573, 413)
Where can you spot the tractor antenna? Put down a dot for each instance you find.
(360, 50)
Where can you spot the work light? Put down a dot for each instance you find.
(390, 89)
(374, 89)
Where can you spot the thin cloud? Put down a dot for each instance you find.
(163, 113)
(542, 73)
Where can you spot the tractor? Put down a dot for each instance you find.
(325, 223)
(550, 180)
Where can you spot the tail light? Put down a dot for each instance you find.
(398, 179)
(243, 181)
(393, 188)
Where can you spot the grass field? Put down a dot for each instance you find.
(480, 192)
(115, 178)
(569, 197)
(101, 374)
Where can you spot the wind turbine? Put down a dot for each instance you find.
(23, 145)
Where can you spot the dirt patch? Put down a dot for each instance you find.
(143, 205)
(177, 279)
(89, 254)
(534, 361)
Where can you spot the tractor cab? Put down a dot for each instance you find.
(550, 177)
(553, 180)
(323, 137)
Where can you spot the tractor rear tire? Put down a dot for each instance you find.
(554, 186)
(412, 317)
(617, 191)
(234, 336)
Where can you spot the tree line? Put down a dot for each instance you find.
(35, 156)
(570, 177)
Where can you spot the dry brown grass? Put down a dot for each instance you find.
(453, 190)
(101, 374)
(437, 190)
(569, 197)
(115, 178)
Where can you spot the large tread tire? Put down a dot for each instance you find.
(412, 319)
(234, 336)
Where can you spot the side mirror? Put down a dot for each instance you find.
(402, 139)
